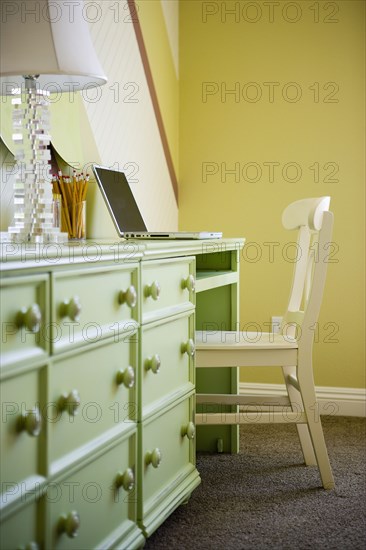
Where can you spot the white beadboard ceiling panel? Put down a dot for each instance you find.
(122, 117)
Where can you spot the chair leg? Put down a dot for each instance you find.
(302, 429)
(316, 431)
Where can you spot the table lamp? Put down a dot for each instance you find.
(45, 48)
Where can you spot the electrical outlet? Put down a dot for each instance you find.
(276, 323)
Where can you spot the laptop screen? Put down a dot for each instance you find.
(120, 200)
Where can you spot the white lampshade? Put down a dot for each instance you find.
(49, 38)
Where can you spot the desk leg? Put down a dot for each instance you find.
(217, 309)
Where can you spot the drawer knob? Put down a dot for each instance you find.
(153, 290)
(128, 297)
(189, 430)
(154, 458)
(71, 308)
(189, 283)
(126, 377)
(153, 363)
(31, 422)
(70, 402)
(126, 480)
(30, 318)
(69, 524)
(188, 347)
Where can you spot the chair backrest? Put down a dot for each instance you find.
(315, 224)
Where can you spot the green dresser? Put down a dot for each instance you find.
(98, 439)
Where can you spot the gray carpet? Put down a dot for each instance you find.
(266, 498)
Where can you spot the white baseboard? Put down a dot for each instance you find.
(332, 401)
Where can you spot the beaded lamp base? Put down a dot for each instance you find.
(33, 210)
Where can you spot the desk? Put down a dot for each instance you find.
(98, 385)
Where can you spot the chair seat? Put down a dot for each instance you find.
(241, 340)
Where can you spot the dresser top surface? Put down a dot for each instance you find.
(157, 248)
(21, 256)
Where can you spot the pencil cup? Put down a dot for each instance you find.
(72, 191)
(77, 217)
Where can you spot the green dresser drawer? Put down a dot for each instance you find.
(168, 287)
(168, 462)
(95, 506)
(167, 354)
(92, 304)
(20, 529)
(21, 431)
(91, 391)
(24, 319)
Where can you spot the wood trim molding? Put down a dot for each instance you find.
(153, 95)
(332, 401)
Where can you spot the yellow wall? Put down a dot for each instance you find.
(161, 60)
(296, 71)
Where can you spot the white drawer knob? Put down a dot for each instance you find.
(154, 458)
(128, 297)
(189, 430)
(30, 318)
(189, 283)
(70, 402)
(31, 422)
(71, 308)
(153, 363)
(126, 377)
(153, 290)
(126, 480)
(69, 524)
(188, 347)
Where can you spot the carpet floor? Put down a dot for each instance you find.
(264, 497)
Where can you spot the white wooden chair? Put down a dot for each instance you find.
(291, 349)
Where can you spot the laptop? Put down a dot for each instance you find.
(125, 213)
